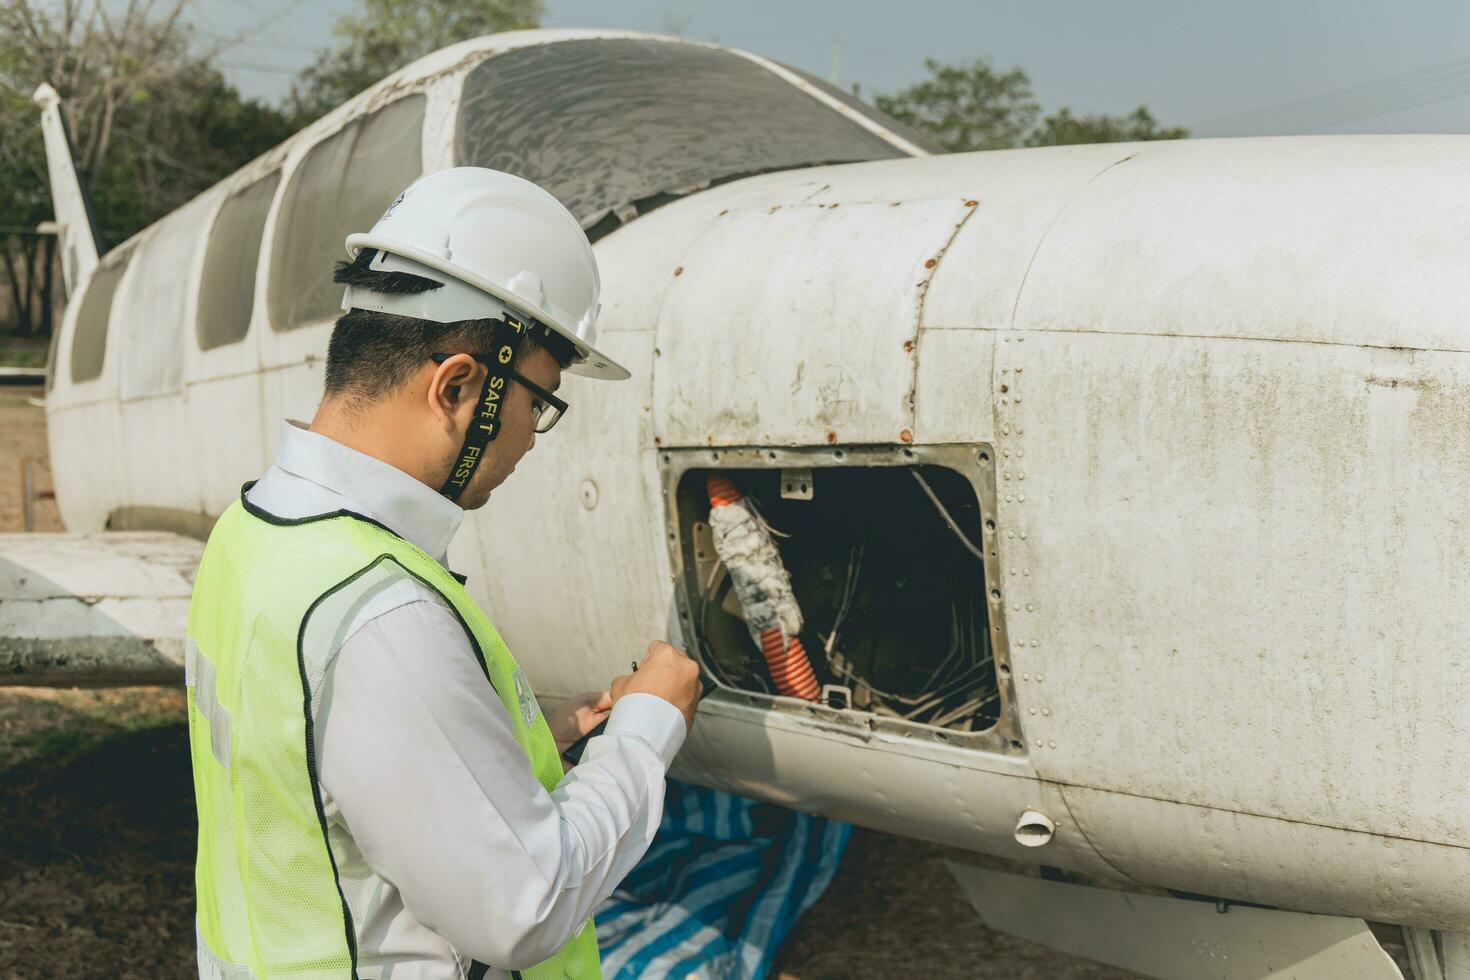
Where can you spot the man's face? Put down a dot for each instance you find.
(517, 434)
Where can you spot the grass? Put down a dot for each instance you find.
(28, 353)
(51, 728)
(98, 824)
(58, 726)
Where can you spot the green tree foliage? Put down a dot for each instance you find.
(26, 258)
(967, 107)
(973, 106)
(385, 35)
(1061, 127)
(153, 123)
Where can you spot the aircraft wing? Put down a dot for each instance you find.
(87, 610)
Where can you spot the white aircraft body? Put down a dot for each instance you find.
(1196, 616)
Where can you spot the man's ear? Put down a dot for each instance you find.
(453, 389)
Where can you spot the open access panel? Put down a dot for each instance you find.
(892, 558)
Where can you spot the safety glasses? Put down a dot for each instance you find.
(546, 409)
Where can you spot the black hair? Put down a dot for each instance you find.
(372, 354)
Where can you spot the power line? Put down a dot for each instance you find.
(1433, 83)
(230, 41)
(1442, 93)
(274, 45)
(252, 66)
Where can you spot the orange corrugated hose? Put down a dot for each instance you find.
(787, 661)
(790, 668)
(722, 490)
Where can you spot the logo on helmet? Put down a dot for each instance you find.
(396, 201)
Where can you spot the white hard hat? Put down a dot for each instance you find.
(502, 241)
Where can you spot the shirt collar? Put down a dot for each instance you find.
(372, 487)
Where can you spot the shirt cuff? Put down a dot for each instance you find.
(651, 718)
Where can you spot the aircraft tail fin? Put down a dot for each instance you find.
(76, 229)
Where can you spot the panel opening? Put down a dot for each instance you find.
(892, 593)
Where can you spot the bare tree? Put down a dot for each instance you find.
(381, 36)
(152, 121)
(98, 60)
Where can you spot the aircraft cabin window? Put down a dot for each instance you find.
(617, 126)
(227, 292)
(343, 185)
(89, 336)
(151, 334)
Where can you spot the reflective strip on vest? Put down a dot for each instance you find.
(211, 967)
(199, 674)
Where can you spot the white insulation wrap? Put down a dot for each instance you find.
(745, 545)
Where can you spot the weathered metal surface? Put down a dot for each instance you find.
(922, 789)
(1174, 939)
(94, 609)
(89, 460)
(1247, 550)
(1357, 241)
(222, 443)
(1019, 194)
(786, 353)
(1293, 864)
(154, 470)
(952, 390)
(1245, 569)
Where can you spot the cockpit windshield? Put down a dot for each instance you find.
(614, 127)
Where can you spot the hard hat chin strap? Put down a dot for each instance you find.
(486, 424)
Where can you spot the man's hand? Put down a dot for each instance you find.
(666, 673)
(576, 716)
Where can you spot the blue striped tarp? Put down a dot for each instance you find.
(720, 887)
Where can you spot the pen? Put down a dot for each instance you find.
(574, 753)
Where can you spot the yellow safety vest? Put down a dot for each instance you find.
(271, 600)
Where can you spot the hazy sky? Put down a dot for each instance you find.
(1247, 66)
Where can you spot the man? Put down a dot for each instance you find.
(379, 794)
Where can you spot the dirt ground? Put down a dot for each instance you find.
(23, 437)
(97, 819)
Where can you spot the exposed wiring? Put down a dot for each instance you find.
(934, 498)
(849, 592)
(956, 640)
(711, 661)
(968, 707)
(754, 506)
(955, 686)
(838, 665)
(745, 543)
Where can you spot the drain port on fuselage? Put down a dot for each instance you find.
(886, 563)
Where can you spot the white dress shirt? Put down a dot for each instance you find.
(447, 847)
